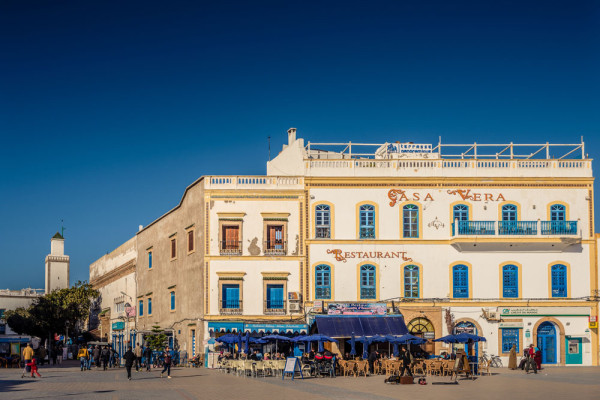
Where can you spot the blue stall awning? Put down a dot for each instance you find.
(276, 328)
(341, 326)
(225, 326)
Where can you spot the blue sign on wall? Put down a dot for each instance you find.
(118, 326)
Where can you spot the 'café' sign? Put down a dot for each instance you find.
(344, 255)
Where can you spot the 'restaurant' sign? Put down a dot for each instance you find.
(344, 255)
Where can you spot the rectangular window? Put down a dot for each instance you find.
(141, 308)
(275, 243)
(2, 313)
(230, 296)
(149, 260)
(460, 281)
(190, 241)
(149, 305)
(322, 222)
(275, 297)
(510, 281)
(510, 337)
(172, 300)
(120, 307)
(173, 248)
(231, 243)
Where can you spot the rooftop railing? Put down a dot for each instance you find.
(254, 182)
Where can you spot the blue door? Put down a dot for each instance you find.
(274, 296)
(546, 341)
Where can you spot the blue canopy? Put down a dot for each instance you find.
(247, 340)
(229, 339)
(301, 338)
(344, 326)
(320, 338)
(363, 339)
(408, 338)
(460, 338)
(276, 338)
(396, 351)
(378, 339)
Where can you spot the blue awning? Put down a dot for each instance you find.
(225, 326)
(14, 340)
(276, 328)
(340, 326)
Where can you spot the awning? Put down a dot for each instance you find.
(225, 326)
(14, 340)
(340, 326)
(276, 328)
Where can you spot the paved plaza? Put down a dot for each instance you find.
(199, 383)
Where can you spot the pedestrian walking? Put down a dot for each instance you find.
(129, 359)
(34, 370)
(42, 354)
(406, 359)
(167, 365)
(105, 355)
(54, 353)
(512, 358)
(28, 354)
(91, 359)
(96, 355)
(148, 358)
(373, 355)
(530, 363)
(83, 355)
(138, 357)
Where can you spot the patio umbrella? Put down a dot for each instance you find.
(276, 338)
(239, 342)
(247, 349)
(396, 352)
(229, 339)
(377, 339)
(353, 345)
(321, 348)
(408, 338)
(318, 337)
(447, 339)
(465, 337)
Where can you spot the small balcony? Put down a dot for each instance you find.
(517, 227)
(231, 307)
(275, 248)
(275, 307)
(559, 227)
(474, 228)
(230, 248)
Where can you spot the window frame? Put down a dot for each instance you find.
(458, 213)
(506, 215)
(172, 300)
(565, 285)
(413, 268)
(323, 213)
(370, 274)
(507, 341)
(150, 258)
(467, 286)
(325, 271)
(141, 307)
(173, 247)
(369, 211)
(510, 268)
(414, 231)
(562, 212)
(191, 240)
(149, 305)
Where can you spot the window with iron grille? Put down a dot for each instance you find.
(322, 221)
(322, 282)
(510, 337)
(367, 221)
(230, 296)
(368, 290)
(510, 281)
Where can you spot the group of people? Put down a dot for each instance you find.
(531, 360)
(104, 356)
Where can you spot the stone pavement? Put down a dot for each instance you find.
(573, 383)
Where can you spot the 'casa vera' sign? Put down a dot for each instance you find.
(398, 195)
(344, 255)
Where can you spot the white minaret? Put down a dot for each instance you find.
(57, 265)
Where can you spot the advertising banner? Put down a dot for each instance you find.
(356, 309)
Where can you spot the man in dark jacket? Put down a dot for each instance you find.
(148, 358)
(129, 359)
(96, 355)
(105, 355)
(406, 359)
(373, 355)
(167, 363)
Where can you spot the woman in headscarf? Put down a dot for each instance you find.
(512, 358)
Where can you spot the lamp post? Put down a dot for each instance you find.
(127, 316)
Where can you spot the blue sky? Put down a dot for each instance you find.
(108, 110)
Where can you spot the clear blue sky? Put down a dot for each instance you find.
(109, 109)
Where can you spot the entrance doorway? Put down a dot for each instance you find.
(546, 341)
(423, 328)
(467, 327)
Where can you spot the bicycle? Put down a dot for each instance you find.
(495, 361)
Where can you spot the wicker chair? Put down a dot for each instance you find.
(362, 367)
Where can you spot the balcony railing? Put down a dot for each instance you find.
(506, 228)
(367, 233)
(474, 228)
(323, 232)
(275, 248)
(323, 293)
(517, 227)
(275, 307)
(368, 293)
(231, 307)
(559, 227)
(230, 248)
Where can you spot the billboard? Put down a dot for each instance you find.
(356, 309)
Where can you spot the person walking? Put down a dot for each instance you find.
(530, 363)
(129, 359)
(54, 353)
(167, 361)
(96, 355)
(28, 354)
(138, 357)
(91, 359)
(33, 365)
(148, 358)
(83, 355)
(406, 359)
(512, 358)
(372, 357)
(42, 354)
(105, 355)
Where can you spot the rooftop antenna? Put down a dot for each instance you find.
(269, 139)
(62, 228)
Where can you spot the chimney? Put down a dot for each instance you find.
(291, 136)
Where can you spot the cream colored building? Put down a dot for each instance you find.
(114, 276)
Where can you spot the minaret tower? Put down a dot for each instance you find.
(57, 265)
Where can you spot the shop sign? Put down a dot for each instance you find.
(544, 311)
(356, 309)
(593, 322)
(511, 325)
(343, 255)
(527, 333)
(399, 195)
(318, 306)
(118, 326)
(428, 335)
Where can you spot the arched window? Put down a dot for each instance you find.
(557, 212)
(368, 290)
(460, 281)
(460, 212)
(322, 282)
(322, 221)
(367, 221)
(411, 282)
(172, 300)
(509, 212)
(559, 280)
(510, 281)
(410, 221)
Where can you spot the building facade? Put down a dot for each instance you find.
(114, 276)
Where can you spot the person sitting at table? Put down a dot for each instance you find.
(267, 356)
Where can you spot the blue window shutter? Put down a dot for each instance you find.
(559, 280)
(461, 281)
(510, 281)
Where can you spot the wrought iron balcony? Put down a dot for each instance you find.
(323, 232)
(275, 248)
(275, 307)
(368, 293)
(559, 227)
(367, 233)
(230, 248)
(231, 307)
(474, 228)
(323, 293)
(517, 227)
